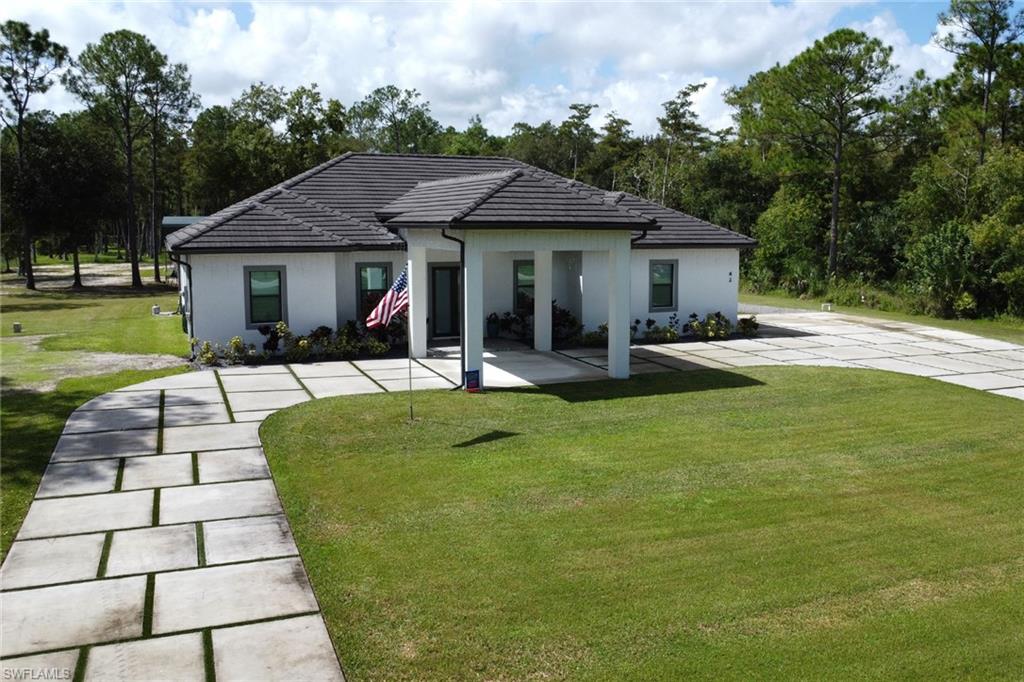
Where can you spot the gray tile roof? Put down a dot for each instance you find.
(349, 203)
(518, 197)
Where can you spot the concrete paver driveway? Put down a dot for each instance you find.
(157, 547)
(829, 339)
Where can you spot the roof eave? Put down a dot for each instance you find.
(742, 245)
(527, 225)
(387, 246)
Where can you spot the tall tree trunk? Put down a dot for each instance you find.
(77, 283)
(984, 114)
(133, 237)
(153, 203)
(664, 177)
(26, 258)
(833, 240)
(26, 228)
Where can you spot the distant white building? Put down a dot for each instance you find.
(479, 235)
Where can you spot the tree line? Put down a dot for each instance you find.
(858, 184)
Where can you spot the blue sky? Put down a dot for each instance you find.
(504, 61)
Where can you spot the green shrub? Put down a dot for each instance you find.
(1013, 283)
(235, 351)
(655, 333)
(748, 326)
(564, 325)
(940, 265)
(595, 339)
(713, 326)
(207, 354)
(965, 306)
(516, 325)
(375, 347)
(297, 349)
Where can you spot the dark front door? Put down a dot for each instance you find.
(444, 301)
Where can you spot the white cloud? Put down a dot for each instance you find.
(507, 62)
(909, 56)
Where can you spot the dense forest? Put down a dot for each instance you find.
(860, 185)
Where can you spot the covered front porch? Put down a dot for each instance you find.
(479, 272)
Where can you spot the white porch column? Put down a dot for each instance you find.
(542, 270)
(618, 310)
(418, 300)
(473, 307)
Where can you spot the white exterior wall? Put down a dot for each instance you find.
(218, 294)
(707, 281)
(594, 278)
(185, 290)
(499, 282)
(321, 287)
(345, 280)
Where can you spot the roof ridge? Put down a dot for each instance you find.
(673, 210)
(302, 223)
(435, 156)
(454, 179)
(613, 197)
(576, 186)
(305, 175)
(242, 205)
(236, 209)
(333, 211)
(488, 193)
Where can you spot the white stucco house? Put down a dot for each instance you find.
(479, 235)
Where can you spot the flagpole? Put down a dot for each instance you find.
(408, 347)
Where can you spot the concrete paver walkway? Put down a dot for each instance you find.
(157, 548)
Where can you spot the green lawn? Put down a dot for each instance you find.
(1005, 328)
(86, 257)
(31, 423)
(43, 380)
(770, 522)
(112, 320)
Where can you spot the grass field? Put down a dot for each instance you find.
(770, 522)
(1005, 328)
(86, 257)
(43, 379)
(111, 320)
(31, 423)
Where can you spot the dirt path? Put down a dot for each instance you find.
(59, 365)
(94, 275)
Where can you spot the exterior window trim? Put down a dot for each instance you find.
(674, 262)
(515, 285)
(359, 283)
(282, 272)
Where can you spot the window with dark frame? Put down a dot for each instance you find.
(374, 282)
(265, 287)
(663, 285)
(523, 287)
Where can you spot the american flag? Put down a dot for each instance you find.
(394, 302)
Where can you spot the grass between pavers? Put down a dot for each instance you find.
(73, 325)
(1005, 328)
(30, 424)
(779, 521)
